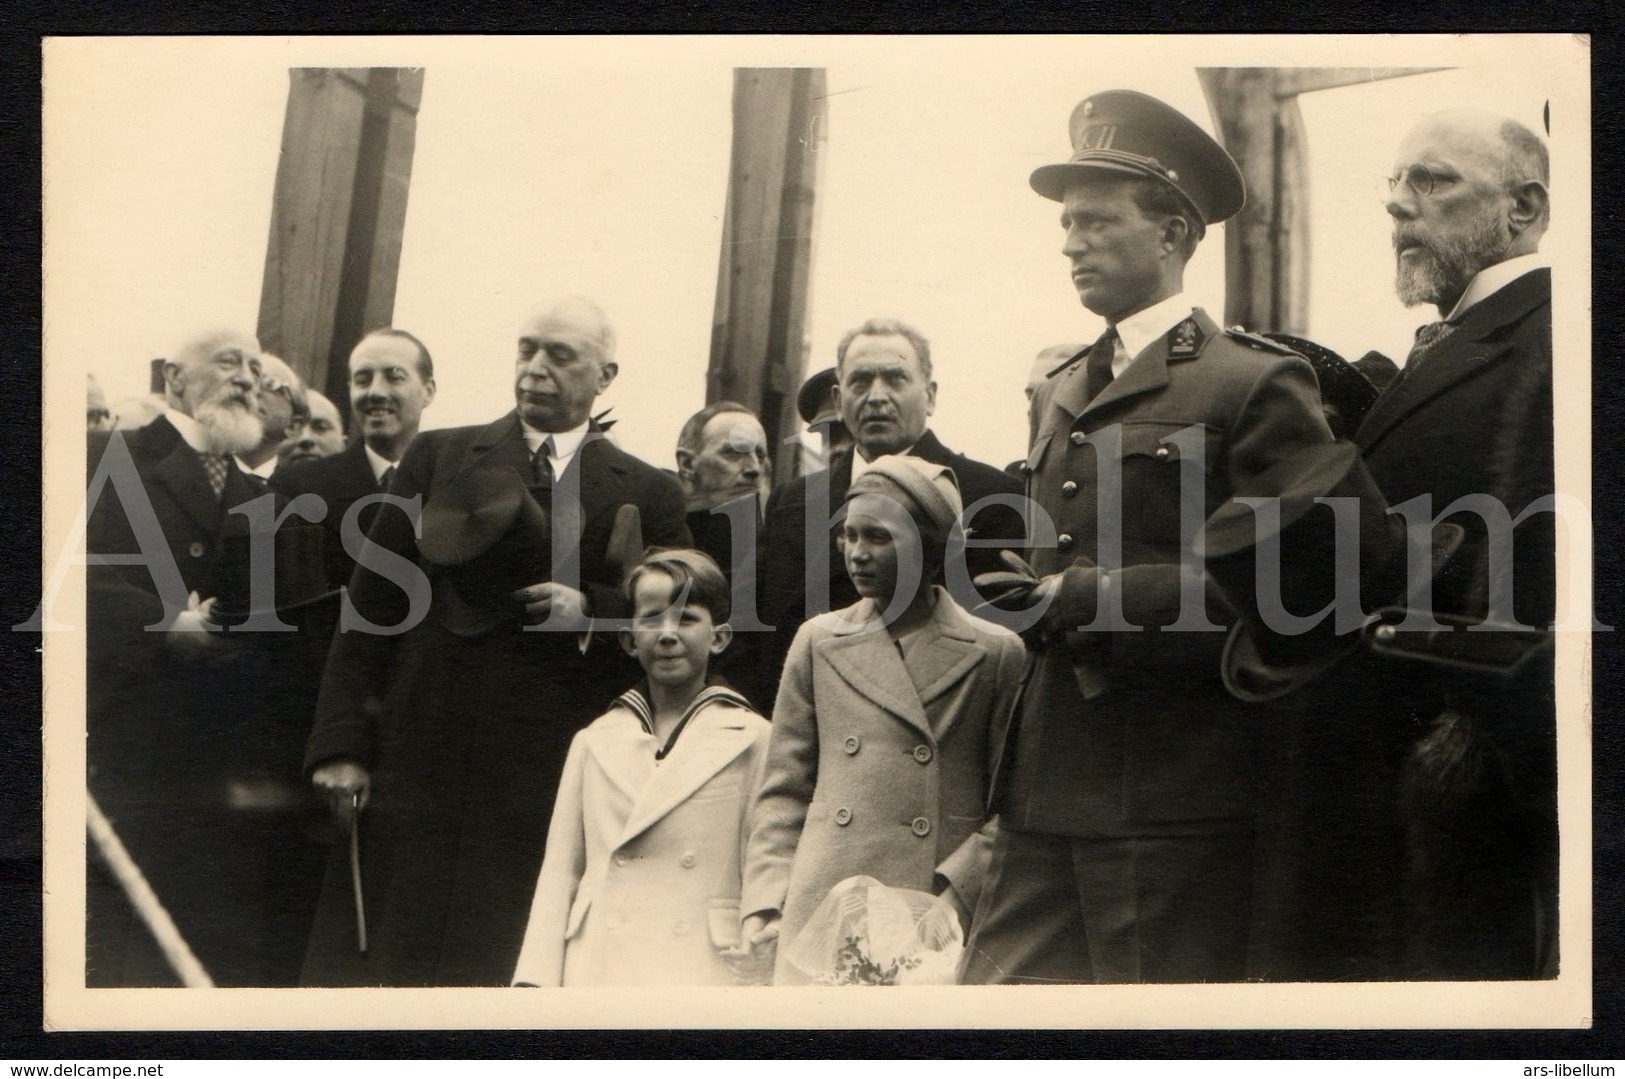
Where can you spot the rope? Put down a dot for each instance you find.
(143, 899)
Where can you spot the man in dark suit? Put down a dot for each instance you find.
(469, 661)
(1128, 787)
(1427, 786)
(726, 474)
(886, 395)
(185, 758)
(391, 383)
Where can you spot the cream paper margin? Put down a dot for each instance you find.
(1555, 66)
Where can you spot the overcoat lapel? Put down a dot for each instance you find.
(1475, 346)
(714, 738)
(180, 471)
(943, 658)
(864, 656)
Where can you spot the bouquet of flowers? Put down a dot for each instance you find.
(866, 933)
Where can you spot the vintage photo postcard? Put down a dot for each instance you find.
(1078, 531)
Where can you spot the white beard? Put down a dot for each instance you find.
(228, 429)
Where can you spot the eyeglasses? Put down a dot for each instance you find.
(1419, 178)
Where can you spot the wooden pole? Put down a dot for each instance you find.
(338, 213)
(1255, 111)
(758, 336)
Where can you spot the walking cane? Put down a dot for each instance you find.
(355, 872)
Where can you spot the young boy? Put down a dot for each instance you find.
(640, 883)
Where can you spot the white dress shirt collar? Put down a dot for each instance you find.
(1139, 330)
(262, 470)
(860, 466)
(565, 444)
(378, 462)
(1492, 279)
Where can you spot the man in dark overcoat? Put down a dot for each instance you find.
(886, 394)
(1128, 789)
(451, 730)
(1424, 782)
(189, 756)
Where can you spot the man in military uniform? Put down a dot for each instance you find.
(1129, 780)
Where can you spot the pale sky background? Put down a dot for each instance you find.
(598, 165)
(555, 165)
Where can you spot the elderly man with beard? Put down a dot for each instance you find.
(1428, 787)
(448, 718)
(177, 755)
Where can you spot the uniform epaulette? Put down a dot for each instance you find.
(1064, 364)
(1258, 341)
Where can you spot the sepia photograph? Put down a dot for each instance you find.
(1077, 531)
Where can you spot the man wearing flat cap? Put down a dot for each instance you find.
(450, 724)
(1129, 780)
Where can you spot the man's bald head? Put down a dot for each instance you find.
(566, 358)
(214, 378)
(1469, 190)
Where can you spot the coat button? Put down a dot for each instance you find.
(195, 549)
(620, 859)
(1079, 438)
(1068, 489)
(851, 744)
(1064, 541)
(1163, 453)
(679, 927)
(613, 921)
(921, 827)
(843, 816)
(1026, 469)
(922, 754)
(687, 860)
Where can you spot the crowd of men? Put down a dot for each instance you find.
(1194, 786)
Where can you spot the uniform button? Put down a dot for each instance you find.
(613, 921)
(921, 826)
(1064, 541)
(922, 754)
(1163, 453)
(843, 816)
(679, 927)
(687, 859)
(1068, 489)
(1079, 438)
(195, 549)
(1026, 469)
(851, 744)
(620, 859)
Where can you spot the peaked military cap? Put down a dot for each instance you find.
(1128, 132)
(813, 401)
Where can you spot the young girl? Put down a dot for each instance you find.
(888, 718)
(640, 883)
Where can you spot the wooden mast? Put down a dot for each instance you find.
(758, 336)
(1266, 246)
(337, 217)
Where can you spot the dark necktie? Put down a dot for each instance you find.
(541, 462)
(1098, 367)
(1428, 337)
(214, 464)
(387, 478)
